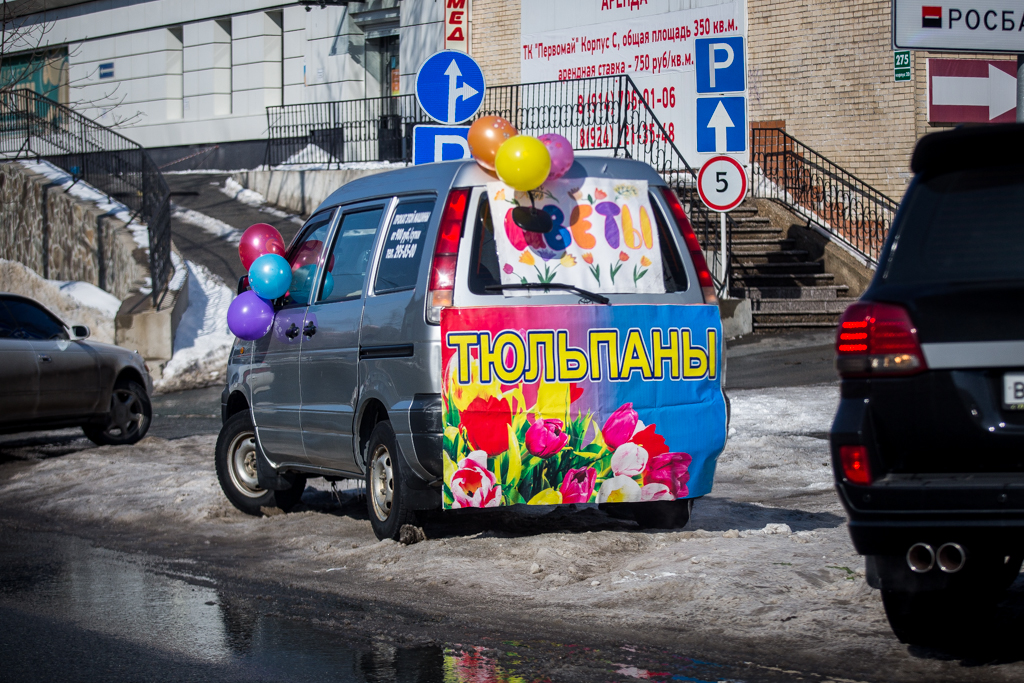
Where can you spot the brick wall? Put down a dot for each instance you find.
(496, 39)
(826, 69)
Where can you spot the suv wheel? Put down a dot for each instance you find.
(236, 470)
(384, 478)
(128, 420)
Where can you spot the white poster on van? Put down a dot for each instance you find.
(651, 41)
(603, 239)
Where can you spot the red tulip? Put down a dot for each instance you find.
(653, 443)
(578, 485)
(670, 469)
(486, 422)
(544, 438)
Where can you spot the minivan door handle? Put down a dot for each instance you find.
(310, 329)
(46, 359)
(292, 332)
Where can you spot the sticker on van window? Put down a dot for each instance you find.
(604, 238)
(609, 404)
(403, 247)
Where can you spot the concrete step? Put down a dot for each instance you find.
(760, 256)
(768, 326)
(749, 220)
(829, 292)
(762, 280)
(757, 232)
(747, 245)
(744, 266)
(803, 306)
(796, 318)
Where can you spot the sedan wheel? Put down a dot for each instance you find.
(129, 417)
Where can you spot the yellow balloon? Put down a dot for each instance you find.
(523, 162)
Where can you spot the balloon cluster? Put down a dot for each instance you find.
(521, 161)
(261, 250)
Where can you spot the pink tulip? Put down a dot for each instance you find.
(473, 485)
(544, 438)
(629, 460)
(670, 469)
(618, 429)
(578, 485)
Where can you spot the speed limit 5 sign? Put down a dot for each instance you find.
(722, 183)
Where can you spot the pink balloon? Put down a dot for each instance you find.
(561, 154)
(257, 240)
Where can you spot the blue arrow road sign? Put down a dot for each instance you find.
(450, 87)
(720, 65)
(439, 143)
(721, 124)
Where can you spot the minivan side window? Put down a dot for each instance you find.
(404, 246)
(353, 248)
(305, 256)
(484, 268)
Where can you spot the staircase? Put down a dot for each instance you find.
(785, 287)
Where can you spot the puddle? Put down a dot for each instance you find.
(71, 611)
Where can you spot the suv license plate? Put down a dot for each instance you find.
(1013, 390)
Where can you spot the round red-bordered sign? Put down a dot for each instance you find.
(722, 183)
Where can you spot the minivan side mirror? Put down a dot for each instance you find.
(80, 332)
(243, 284)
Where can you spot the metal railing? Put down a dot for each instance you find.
(795, 175)
(604, 113)
(33, 126)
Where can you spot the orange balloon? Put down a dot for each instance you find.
(486, 135)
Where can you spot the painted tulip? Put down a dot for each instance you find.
(544, 438)
(578, 485)
(655, 492)
(618, 490)
(486, 421)
(648, 439)
(618, 428)
(629, 460)
(672, 470)
(473, 485)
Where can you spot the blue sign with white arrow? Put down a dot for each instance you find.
(721, 124)
(439, 143)
(450, 87)
(720, 65)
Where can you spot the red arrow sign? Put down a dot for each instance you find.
(972, 91)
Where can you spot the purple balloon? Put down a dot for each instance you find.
(249, 316)
(561, 154)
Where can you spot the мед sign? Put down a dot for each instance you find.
(456, 25)
(959, 25)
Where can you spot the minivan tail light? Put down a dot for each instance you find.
(877, 339)
(854, 460)
(440, 292)
(700, 264)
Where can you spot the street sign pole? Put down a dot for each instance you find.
(724, 251)
(1020, 88)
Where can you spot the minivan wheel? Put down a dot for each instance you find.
(384, 484)
(235, 461)
(128, 420)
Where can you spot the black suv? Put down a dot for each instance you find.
(928, 442)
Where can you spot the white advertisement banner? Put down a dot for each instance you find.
(959, 25)
(652, 41)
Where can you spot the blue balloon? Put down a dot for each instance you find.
(270, 276)
(328, 285)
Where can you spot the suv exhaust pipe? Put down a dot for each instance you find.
(921, 558)
(951, 558)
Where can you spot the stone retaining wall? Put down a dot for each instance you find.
(63, 238)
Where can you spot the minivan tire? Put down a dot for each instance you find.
(385, 484)
(128, 420)
(235, 461)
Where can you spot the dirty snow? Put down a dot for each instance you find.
(214, 226)
(202, 342)
(234, 189)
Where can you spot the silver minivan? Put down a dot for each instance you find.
(347, 384)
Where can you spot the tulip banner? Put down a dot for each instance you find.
(598, 408)
(605, 236)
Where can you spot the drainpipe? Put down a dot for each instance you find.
(1020, 88)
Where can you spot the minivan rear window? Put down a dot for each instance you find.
(485, 269)
(966, 226)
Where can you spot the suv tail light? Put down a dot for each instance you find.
(707, 285)
(877, 339)
(446, 253)
(855, 464)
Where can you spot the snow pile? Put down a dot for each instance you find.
(313, 158)
(202, 343)
(233, 189)
(215, 227)
(76, 303)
